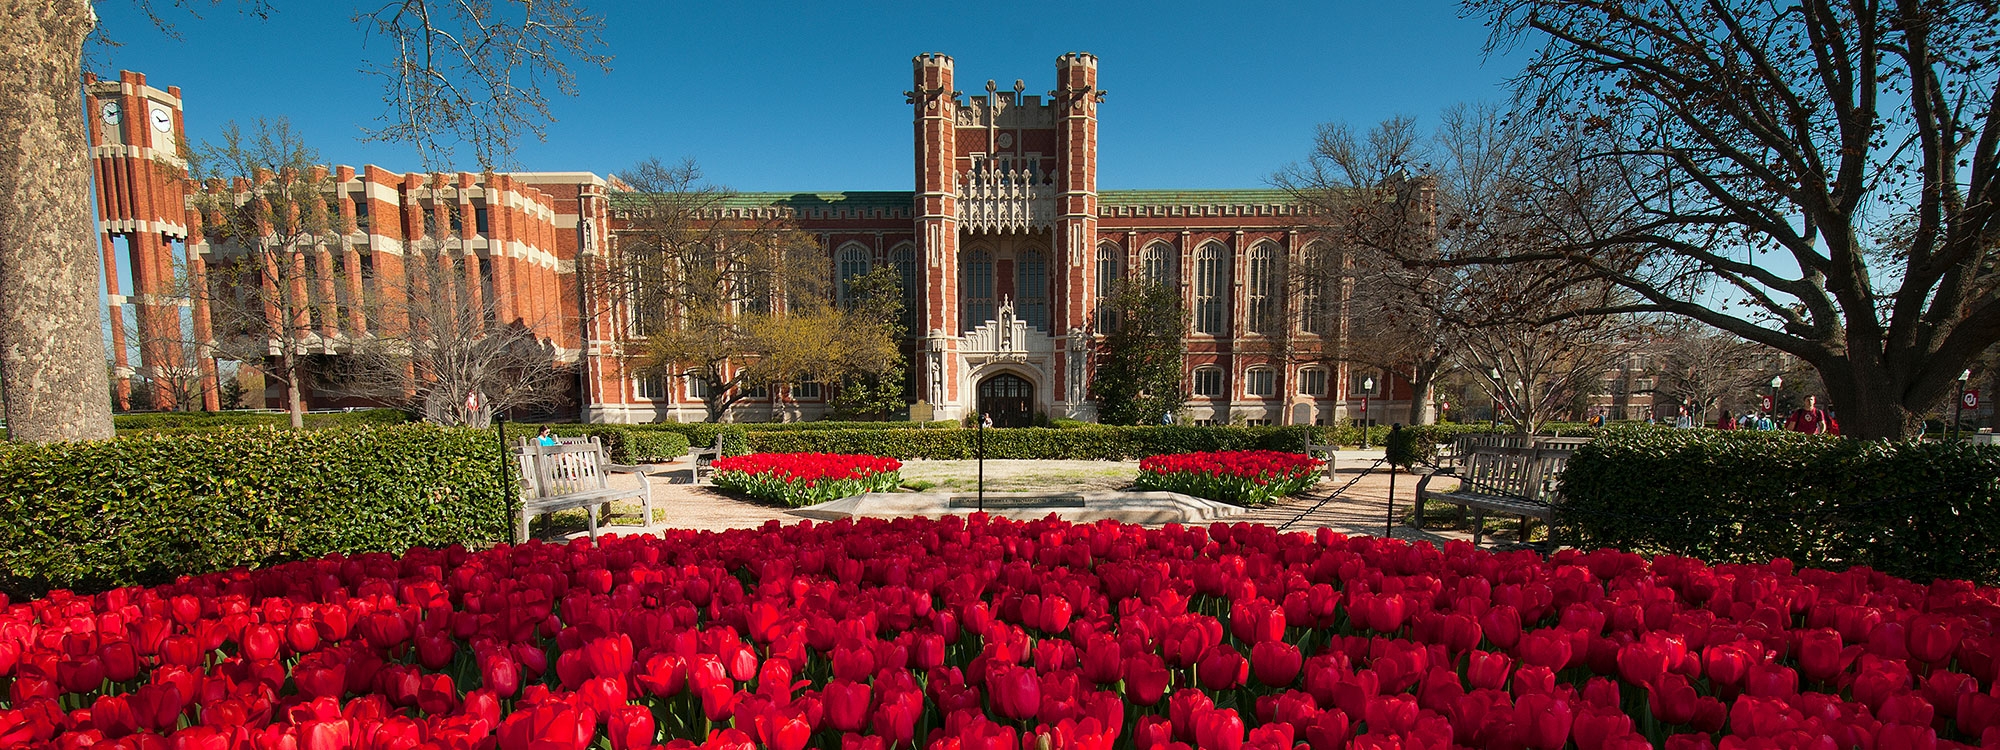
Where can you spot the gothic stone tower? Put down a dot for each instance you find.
(1006, 204)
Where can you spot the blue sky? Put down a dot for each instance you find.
(809, 96)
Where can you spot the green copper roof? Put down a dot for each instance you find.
(1202, 197)
(867, 199)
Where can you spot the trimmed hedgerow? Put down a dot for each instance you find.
(192, 420)
(1918, 510)
(143, 509)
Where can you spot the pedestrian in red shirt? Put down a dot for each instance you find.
(1809, 419)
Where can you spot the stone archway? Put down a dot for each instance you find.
(1009, 399)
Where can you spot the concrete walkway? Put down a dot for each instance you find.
(1361, 507)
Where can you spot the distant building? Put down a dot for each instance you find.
(1005, 243)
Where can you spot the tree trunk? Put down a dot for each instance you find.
(295, 403)
(1423, 385)
(51, 331)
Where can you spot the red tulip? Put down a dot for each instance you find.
(1222, 669)
(1933, 638)
(609, 656)
(1488, 671)
(1545, 721)
(1544, 648)
(1672, 699)
(1017, 692)
(1276, 663)
(847, 705)
(260, 642)
(1146, 678)
(1502, 626)
(631, 728)
(548, 726)
(333, 734)
(1819, 654)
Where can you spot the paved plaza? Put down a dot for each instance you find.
(1360, 507)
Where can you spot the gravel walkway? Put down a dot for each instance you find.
(1360, 509)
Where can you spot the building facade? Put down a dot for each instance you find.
(1005, 245)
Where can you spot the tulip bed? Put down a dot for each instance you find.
(1238, 477)
(801, 479)
(983, 633)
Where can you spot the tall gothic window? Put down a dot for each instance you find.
(1031, 282)
(852, 262)
(976, 287)
(1211, 289)
(904, 258)
(1262, 287)
(1159, 264)
(1110, 266)
(1314, 281)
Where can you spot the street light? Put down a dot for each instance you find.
(1494, 373)
(1367, 387)
(1958, 407)
(1776, 381)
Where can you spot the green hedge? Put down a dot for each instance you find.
(1918, 510)
(1049, 443)
(144, 509)
(191, 420)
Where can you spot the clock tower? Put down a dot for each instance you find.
(141, 177)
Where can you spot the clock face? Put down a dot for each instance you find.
(162, 120)
(109, 112)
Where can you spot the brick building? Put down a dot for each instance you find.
(1005, 244)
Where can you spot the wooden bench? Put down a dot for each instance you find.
(1507, 474)
(1316, 451)
(704, 458)
(572, 474)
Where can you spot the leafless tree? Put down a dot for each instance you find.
(441, 339)
(264, 211)
(472, 71)
(1752, 138)
(1705, 368)
(732, 302)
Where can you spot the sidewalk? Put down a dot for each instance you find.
(1362, 507)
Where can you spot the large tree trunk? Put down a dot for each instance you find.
(295, 403)
(51, 330)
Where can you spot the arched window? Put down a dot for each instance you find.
(1211, 289)
(1160, 264)
(1031, 282)
(1110, 267)
(1314, 280)
(1260, 382)
(904, 258)
(851, 262)
(1312, 382)
(1262, 285)
(976, 288)
(1211, 382)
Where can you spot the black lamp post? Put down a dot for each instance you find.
(1367, 387)
(1958, 403)
(1776, 381)
(1500, 396)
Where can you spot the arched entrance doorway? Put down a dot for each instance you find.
(1009, 399)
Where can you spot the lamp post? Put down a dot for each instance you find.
(1958, 402)
(1776, 381)
(1500, 391)
(1367, 387)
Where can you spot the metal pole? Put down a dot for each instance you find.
(982, 462)
(1957, 410)
(500, 423)
(1389, 524)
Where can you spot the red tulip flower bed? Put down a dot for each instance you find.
(1238, 477)
(995, 635)
(801, 479)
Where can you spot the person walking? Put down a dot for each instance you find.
(1725, 423)
(1684, 421)
(1809, 419)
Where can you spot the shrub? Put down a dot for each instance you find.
(1100, 443)
(146, 508)
(1919, 510)
(623, 444)
(191, 420)
(801, 479)
(1235, 477)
